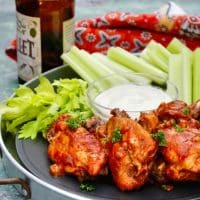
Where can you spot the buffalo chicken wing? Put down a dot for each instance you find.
(75, 151)
(182, 154)
(130, 149)
(131, 156)
(179, 158)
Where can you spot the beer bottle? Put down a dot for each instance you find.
(45, 29)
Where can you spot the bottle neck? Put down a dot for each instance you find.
(28, 7)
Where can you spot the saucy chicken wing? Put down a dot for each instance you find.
(132, 151)
(149, 121)
(194, 110)
(75, 151)
(179, 159)
(161, 146)
(182, 154)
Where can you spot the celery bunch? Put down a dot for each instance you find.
(31, 112)
(183, 66)
(196, 74)
(176, 62)
(94, 66)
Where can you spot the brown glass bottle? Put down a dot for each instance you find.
(44, 32)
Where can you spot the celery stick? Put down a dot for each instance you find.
(78, 66)
(81, 69)
(137, 64)
(175, 73)
(160, 49)
(157, 55)
(102, 69)
(157, 60)
(98, 69)
(176, 46)
(196, 74)
(120, 69)
(144, 54)
(187, 75)
(94, 65)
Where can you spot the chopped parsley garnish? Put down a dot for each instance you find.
(178, 128)
(160, 138)
(87, 187)
(167, 187)
(74, 122)
(185, 111)
(116, 135)
(106, 139)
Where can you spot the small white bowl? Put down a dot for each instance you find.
(132, 92)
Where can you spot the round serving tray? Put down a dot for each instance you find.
(29, 162)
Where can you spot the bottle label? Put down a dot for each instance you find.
(68, 34)
(28, 46)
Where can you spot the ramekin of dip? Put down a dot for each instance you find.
(131, 92)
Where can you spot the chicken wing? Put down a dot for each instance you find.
(149, 121)
(131, 154)
(179, 159)
(182, 154)
(194, 110)
(75, 151)
(173, 109)
(131, 149)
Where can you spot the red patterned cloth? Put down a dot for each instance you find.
(11, 50)
(132, 31)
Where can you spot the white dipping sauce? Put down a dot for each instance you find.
(130, 97)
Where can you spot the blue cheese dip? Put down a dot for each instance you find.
(130, 97)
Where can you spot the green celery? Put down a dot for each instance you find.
(31, 112)
(196, 74)
(90, 68)
(175, 73)
(116, 67)
(175, 46)
(76, 64)
(120, 69)
(160, 49)
(97, 67)
(39, 125)
(157, 60)
(144, 54)
(187, 75)
(137, 64)
(157, 55)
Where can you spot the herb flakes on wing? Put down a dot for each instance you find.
(186, 111)
(160, 138)
(178, 128)
(117, 135)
